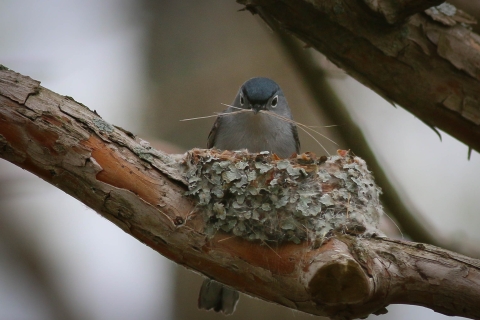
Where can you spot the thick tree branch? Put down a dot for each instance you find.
(142, 191)
(429, 64)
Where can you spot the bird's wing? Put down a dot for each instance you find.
(295, 136)
(213, 134)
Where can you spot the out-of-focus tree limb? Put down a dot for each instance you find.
(142, 191)
(429, 63)
(27, 254)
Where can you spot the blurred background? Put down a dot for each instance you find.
(145, 65)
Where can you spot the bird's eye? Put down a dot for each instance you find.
(242, 101)
(274, 101)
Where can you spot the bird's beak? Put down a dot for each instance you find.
(257, 108)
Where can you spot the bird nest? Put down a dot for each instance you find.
(263, 197)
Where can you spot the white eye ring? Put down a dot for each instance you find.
(242, 101)
(274, 101)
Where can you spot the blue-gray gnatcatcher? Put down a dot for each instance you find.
(260, 121)
(268, 126)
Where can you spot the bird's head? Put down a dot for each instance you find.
(261, 94)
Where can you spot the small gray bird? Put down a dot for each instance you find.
(255, 131)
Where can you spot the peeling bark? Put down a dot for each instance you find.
(142, 190)
(398, 10)
(429, 63)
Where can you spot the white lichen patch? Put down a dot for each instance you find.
(449, 15)
(261, 197)
(445, 8)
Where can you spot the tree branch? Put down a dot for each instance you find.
(429, 64)
(142, 191)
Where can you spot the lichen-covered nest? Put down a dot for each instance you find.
(262, 197)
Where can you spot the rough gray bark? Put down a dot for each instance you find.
(142, 190)
(429, 63)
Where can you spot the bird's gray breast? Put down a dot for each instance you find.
(255, 132)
